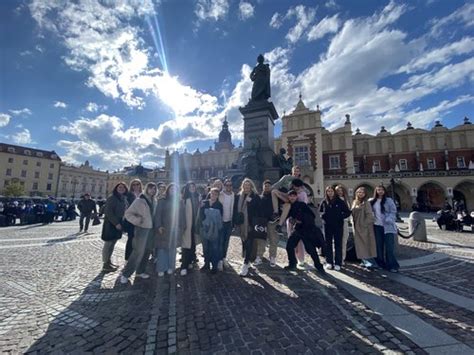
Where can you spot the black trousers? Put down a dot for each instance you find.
(331, 233)
(130, 228)
(309, 245)
(188, 255)
(87, 217)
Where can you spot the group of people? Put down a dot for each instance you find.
(454, 218)
(158, 219)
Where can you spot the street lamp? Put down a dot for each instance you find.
(392, 185)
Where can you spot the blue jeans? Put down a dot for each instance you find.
(142, 248)
(212, 251)
(385, 249)
(226, 232)
(166, 259)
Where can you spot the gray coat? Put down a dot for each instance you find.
(170, 215)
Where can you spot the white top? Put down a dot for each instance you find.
(227, 207)
(378, 213)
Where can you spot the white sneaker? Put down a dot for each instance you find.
(161, 274)
(143, 276)
(272, 262)
(301, 265)
(169, 271)
(258, 261)
(183, 272)
(337, 268)
(123, 280)
(329, 267)
(220, 265)
(245, 270)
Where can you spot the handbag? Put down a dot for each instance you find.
(259, 229)
(95, 220)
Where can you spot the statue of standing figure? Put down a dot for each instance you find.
(261, 81)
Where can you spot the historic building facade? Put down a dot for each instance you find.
(201, 166)
(37, 171)
(426, 167)
(74, 181)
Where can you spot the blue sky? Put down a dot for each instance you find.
(118, 82)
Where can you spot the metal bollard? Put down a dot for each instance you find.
(417, 227)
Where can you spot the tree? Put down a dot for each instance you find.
(14, 190)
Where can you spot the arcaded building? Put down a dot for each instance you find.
(428, 167)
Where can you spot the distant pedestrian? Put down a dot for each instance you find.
(168, 228)
(86, 207)
(140, 214)
(363, 222)
(112, 227)
(385, 229)
(134, 191)
(334, 211)
(191, 212)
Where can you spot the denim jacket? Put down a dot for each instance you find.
(390, 216)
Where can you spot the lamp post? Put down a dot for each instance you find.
(392, 185)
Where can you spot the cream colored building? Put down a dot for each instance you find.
(145, 175)
(426, 167)
(34, 169)
(74, 181)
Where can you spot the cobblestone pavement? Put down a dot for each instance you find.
(55, 299)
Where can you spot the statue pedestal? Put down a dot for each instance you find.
(259, 122)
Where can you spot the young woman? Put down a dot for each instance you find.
(134, 191)
(169, 226)
(211, 230)
(188, 244)
(248, 203)
(385, 229)
(342, 194)
(363, 224)
(140, 214)
(334, 212)
(112, 227)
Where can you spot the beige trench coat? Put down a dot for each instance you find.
(364, 238)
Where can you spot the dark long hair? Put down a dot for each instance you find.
(115, 192)
(168, 188)
(187, 193)
(376, 196)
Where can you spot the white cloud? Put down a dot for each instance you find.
(4, 119)
(21, 112)
(93, 107)
(246, 10)
(213, 10)
(464, 16)
(276, 20)
(331, 4)
(22, 137)
(326, 26)
(304, 17)
(60, 104)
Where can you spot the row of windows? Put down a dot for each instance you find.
(25, 162)
(34, 186)
(23, 174)
(28, 152)
(83, 187)
(194, 174)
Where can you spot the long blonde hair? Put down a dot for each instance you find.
(357, 201)
(252, 186)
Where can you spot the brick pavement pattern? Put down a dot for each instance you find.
(54, 298)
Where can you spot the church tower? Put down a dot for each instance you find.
(225, 138)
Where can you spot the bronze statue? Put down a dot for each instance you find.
(261, 80)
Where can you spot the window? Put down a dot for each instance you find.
(356, 167)
(6, 183)
(301, 155)
(50, 176)
(38, 163)
(27, 152)
(10, 160)
(51, 166)
(460, 162)
(22, 183)
(206, 174)
(431, 163)
(193, 175)
(39, 154)
(403, 164)
(93, 188)
(35, 186)
(9, 172)
(220, 173)
(334, 162)
(11, 149)
(376, 165)
(25, 162)
(23, 173)
(64, 186)
(48, 187)
(100, 188)
(37, 174)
